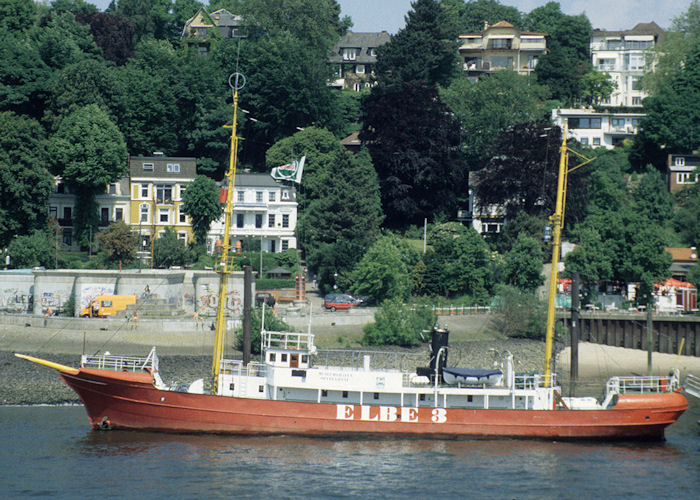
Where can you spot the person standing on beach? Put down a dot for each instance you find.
(47, 313)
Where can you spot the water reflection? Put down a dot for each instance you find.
(45, 446)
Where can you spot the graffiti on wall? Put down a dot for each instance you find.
(208, 303)
(52, 300)
(92, 290)
(14, 300)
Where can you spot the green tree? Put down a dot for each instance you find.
(544, 18)
(24, 77)
(567, 59)
(652, 198)
(595, 87)
(152, 18)
(35, 249)
(485, 109)
(477, 12)
(62, 40)
(522, 224)
(315, 22)
(346, 214)
(201, 203)
(633, 245)
(686, 220)
(322, 150)
(671, 54)
(591, 258)
(285, 72)
(398, 324)
(339, 208)
(170, 251)
(118, 243)
(523, 268)
(17, 15)
(79, 84)
(74, 6)
(672, 121)
(518, 314)
(414, 142)
(383, 272)
(425, 50)
(25, 184)
(88, 151)
(459, 263)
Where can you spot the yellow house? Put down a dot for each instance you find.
(157, 184)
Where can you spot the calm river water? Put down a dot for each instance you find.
(51, 452)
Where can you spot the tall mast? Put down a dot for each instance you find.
(236, 81)
(557, 222)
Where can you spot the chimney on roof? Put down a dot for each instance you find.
(486, 25)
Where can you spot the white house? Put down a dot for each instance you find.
(598, 128)
(264, 209)
(626, 56)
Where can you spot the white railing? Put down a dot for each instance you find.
(236, 367)
(533, 381)
(355, 360)
(642, 384)
(288, 340)
(692, 385)
(461, 310)
(120, 363)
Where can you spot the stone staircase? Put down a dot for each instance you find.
(154, 308)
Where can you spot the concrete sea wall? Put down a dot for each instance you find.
(24, 292)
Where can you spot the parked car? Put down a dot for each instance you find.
(362, 300)
(265, 297)
(335, 301)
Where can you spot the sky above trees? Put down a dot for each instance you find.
(388, 15)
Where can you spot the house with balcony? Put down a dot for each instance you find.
(626, 56)
(157, 184)
(264, 209)
(682, 171)
(353, 59)
(112, 206)
(501, 46)
(486, 219)
(202, 28)
(598, 128)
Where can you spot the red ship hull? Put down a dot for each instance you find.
(126, 400)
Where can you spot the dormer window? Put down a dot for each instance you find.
(148, 167)
(679, 161)
(349, 54)
(173, 168)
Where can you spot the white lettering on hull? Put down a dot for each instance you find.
(386, 414)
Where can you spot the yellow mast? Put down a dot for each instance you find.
(557, 222)
(225, 266)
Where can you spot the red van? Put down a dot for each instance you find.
(335, 301)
